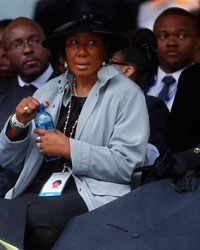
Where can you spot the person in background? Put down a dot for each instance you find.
(101, 136)
(181, 162)
(176, 33)
(139, 62)
(6, 70)
(22, 41)
(183, 131)
(24, 67)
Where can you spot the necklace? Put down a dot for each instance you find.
(69, 111)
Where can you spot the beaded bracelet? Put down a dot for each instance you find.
(15, 124)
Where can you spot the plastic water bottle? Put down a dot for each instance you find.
(44, 120)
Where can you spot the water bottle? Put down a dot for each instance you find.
(44, 120)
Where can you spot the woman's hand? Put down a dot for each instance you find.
(52, 143)
(27, 109)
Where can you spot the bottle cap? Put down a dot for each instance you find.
(41, 107)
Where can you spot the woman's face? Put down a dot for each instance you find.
(85, 53)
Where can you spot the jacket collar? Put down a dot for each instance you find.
(104, 74)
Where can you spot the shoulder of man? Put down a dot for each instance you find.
(189, 77)
(193, 69)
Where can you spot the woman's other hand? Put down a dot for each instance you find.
(53, 143)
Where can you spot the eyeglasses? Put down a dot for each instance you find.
(18, 45)
(118, 63)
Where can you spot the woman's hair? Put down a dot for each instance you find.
(142, 54)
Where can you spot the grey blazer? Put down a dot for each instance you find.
(110, 139)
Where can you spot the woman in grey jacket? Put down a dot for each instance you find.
(102, 133)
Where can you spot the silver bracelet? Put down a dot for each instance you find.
(15, 124)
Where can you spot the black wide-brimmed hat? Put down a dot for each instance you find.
(95, 16)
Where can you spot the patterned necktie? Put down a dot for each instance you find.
(168, 81)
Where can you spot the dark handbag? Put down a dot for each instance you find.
(171, 165)
(161, 169)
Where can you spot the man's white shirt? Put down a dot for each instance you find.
(158, 85)
(38, 82)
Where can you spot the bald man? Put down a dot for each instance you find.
(22, 41)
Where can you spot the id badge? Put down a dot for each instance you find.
(55, 184)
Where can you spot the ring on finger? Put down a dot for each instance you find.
(38, 145)
(39, 139)
(26, 108)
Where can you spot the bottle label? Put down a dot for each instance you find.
(46, 125)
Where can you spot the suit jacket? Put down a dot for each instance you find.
(110, 139)
(158, 118)
(184, 121)
(10, 96)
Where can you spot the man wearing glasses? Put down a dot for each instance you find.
(22, 40)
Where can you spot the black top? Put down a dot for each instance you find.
(47, 168)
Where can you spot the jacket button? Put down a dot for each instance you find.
(197, 150)
(59, 81)
(136, 235)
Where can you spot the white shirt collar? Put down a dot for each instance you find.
(38, 82)
(161, 74)
(158, 85)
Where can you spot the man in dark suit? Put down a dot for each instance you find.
(22, 41)
(184, 123)
(176, 33)
(184, 126)
(182, 161)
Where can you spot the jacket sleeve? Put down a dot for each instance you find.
(126, 149)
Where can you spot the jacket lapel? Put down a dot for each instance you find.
(93, 97)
